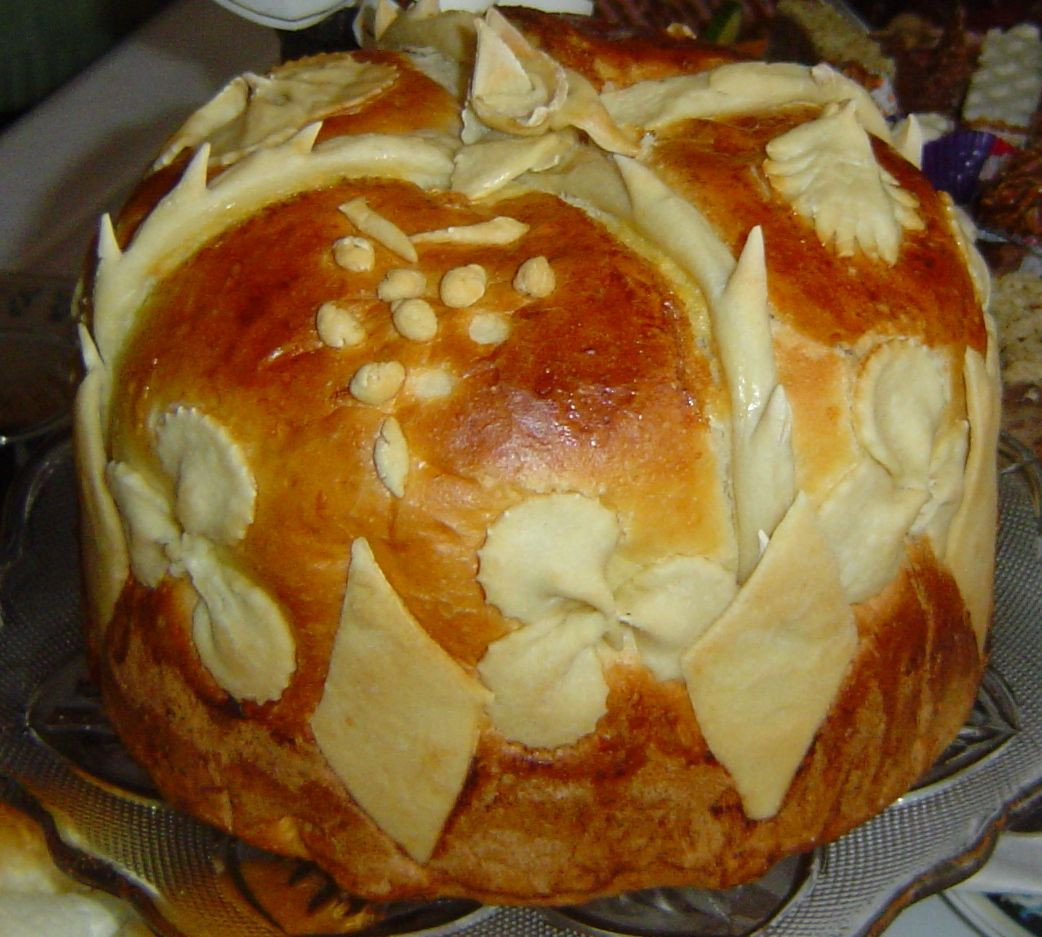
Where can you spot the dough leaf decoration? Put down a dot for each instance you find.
(827, 171)
(395, 706)
(761, 418)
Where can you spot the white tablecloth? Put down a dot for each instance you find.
(76, 154)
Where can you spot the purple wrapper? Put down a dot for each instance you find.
(953, 162)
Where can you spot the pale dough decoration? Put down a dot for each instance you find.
(488, 328)
(551, 562)
(763, 677)
(414, 319)
(149, 522)
(338, 327)
(431, 383)
(902, 392)
(911, 481)
(105, 551)
(965, 233)
(383, 15)
(909, 139)
(678, 227)
(590, 178)
(669, 604)
(391, 457)
(254, 111)
(497, 231)
(547, 562)
(914, 479)
(451, 75)
(739, 88)
(584, 109)
(196, 210)
(463, 286)
(355, 254)
(377, 18)
(866, 517)
(450, 37)
(239, 632)
(380, 229)
(535, 277)
(548, 554)
(946, 485)
(828, 172)
(970, 551)
(763, 468)
(214, 490)
(547, 682)
(401, 283)
(377, 382)
(485, 167)
(514, 88)
(395, 706)
(517, 89)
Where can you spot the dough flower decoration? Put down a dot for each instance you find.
(176, 526)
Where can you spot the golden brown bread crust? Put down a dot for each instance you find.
(593, 48)
(602, 389)
(926, 294)
(642, 800)
(522, 417)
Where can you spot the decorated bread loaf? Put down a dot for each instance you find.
(526, 463)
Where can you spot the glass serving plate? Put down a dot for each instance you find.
(61, 762)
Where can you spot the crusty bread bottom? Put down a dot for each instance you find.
(641, 802)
